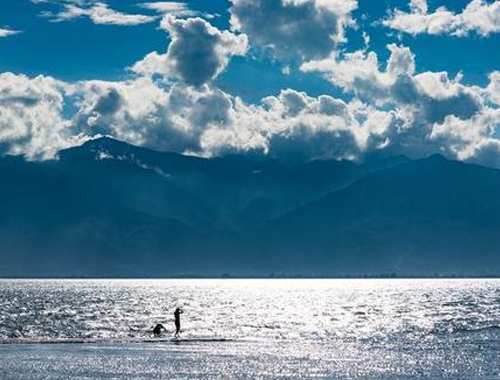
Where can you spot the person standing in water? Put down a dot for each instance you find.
(177, 315)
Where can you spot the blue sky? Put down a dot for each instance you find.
(80, 49)
(289, 78)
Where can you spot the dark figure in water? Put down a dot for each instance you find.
(177, 315)
(158, 329)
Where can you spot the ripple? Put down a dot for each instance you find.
(356, 327)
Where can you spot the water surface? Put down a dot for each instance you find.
(251, 329)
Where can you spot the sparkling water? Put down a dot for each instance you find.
(250, 329)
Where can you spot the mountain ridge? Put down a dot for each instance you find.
(108, 208)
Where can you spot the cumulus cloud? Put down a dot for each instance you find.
(432, 94)
(493, 89)
(467, 139)
(294, 28)
(359, 72)
(197, 53)
(171, 103)
(99, 13)
(31, 121)
(477, 17)
(291, 125)
(142, 112)
(158, 114)
(207, 121)
(4, 32)
(430, 111)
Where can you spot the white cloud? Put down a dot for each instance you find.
(62, 1)
(291, 125)
(4, 32)
(360, 73)
(31, 121)
(142, 112)
(446, 117)
(170, 7)
(152, 64)
(302, 29)
(88, 7)
(166, 6)
(356, 73)
(394, 109)
(401, 61)
(99, 13)
(79, 2)
(430, 111)
(176, 9)
(472, 139)
(419, 6)
(493, 89)
(478, 16)
(198, 52)
(206, 121)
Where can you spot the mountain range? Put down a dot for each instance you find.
(110, 209)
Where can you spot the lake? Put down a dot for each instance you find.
(250, 329)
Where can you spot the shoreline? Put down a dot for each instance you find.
(201, 277)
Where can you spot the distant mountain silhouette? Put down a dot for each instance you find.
(108, 208)
(426, 217)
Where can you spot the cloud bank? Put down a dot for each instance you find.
(170, 101)
(207, 121)
(432, 112)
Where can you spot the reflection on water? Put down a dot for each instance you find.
(273, 328)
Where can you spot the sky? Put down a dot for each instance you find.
(292, 79)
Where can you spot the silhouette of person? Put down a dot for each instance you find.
(177, 315)
(158, 329)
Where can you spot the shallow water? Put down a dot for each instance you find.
(251, 329)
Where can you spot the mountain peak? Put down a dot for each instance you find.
(105, 142)
(99, 148)
(437, 157)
